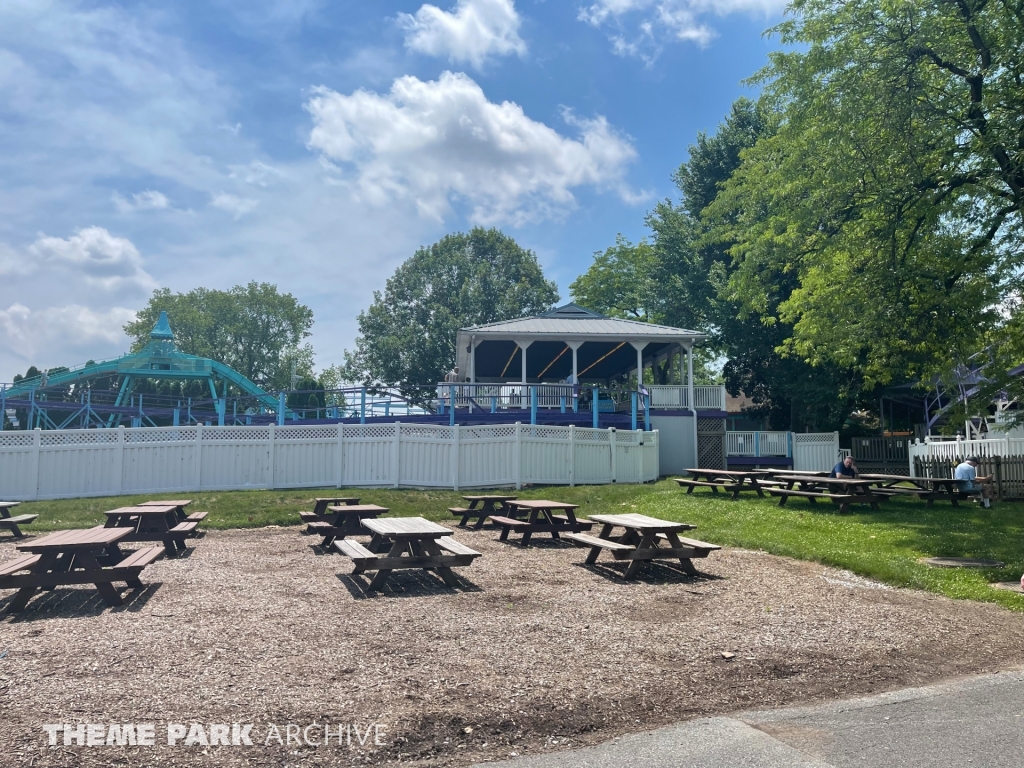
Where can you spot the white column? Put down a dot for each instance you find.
(472, 359)
(523, 345)
(639, 346)
(574, 346)
(689, 377)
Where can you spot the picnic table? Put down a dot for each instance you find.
(482, 507)
(843, 491)
(89, 556)
(344, 520)
(641, 541)
(931, 489)
(406, 542)
(152, 523)
(542, 518)
(179, 509)
(319, 513)
(10, 522)
(734, 481)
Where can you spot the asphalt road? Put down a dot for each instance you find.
(977, 721)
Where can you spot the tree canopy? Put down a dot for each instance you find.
(407, 335)
(254, 329)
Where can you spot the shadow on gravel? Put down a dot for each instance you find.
(652, 572)
(77, 603)
(405, 583)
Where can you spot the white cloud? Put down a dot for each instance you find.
(473, 31)
(260, 174)
(233, 204)
(442, 141)
(641, 27)
(61, 335)
(149, 200)
(93, 254)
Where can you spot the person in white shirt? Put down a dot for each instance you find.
(966, 475)
(452, 376)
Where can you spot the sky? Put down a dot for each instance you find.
(316, 144)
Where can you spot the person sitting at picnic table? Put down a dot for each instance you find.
(966, 475)
(844, 468)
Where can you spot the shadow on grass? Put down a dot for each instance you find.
(77, 603)
(410, 582)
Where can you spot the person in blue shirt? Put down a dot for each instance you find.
(966, 475)
(844, 468)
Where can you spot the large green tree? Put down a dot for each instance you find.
(891, 190)
(407, 335)
(252, 328)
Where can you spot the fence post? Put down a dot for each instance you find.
(451, 411)
(595, 404)
(270, 454)
(519, 456)
(198, 471)
(362, 406)
(37, 440)
(572, 454)
(611, 444)
(281, 405)
(999, 478)
(119, 461)
(396, 453)
(533, 404)
(633, 410)
(455, 457)
(341, 455)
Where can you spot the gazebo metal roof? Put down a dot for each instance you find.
(601, 346)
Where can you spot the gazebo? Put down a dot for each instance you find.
(570, 344)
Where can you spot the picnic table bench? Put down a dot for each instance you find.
(152, 523)
(10, 522)
(733, 481)
(542, 518)
(89, 556)
(839, 490)
(931, 489)
(319, 513)
(641, 541)
(344, 520)
(482, 507)
(179, 509)
(406, 542)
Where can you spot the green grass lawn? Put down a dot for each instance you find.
(884, 545)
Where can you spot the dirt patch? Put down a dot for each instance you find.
(533, 652)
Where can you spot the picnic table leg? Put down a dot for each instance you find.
(757, 487)
(431, 548)
(647, 542)
(382, 575)
(110, 595)
(606, 533)
(685, 562)
(486, 510)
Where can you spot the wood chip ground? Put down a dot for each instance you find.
(535, 652)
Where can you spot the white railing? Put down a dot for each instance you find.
(110, 462)
(503, 396)
(707, 398)
(757, 444)
(958, 450)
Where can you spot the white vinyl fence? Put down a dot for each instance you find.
(107, 462)
(815, 451)
(961, 449)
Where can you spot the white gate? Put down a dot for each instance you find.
(815, 451)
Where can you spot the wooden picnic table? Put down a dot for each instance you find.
(89, 556)
(152, 523)
(843, 491)
(319, 513)
(11, 522)
(542, 518)
(344, 520)
(482, 507)
(734, 481)
(179, 509)
(406, 542)
(931, 489)
(641, 541)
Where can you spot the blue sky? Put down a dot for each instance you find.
(316, 144)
